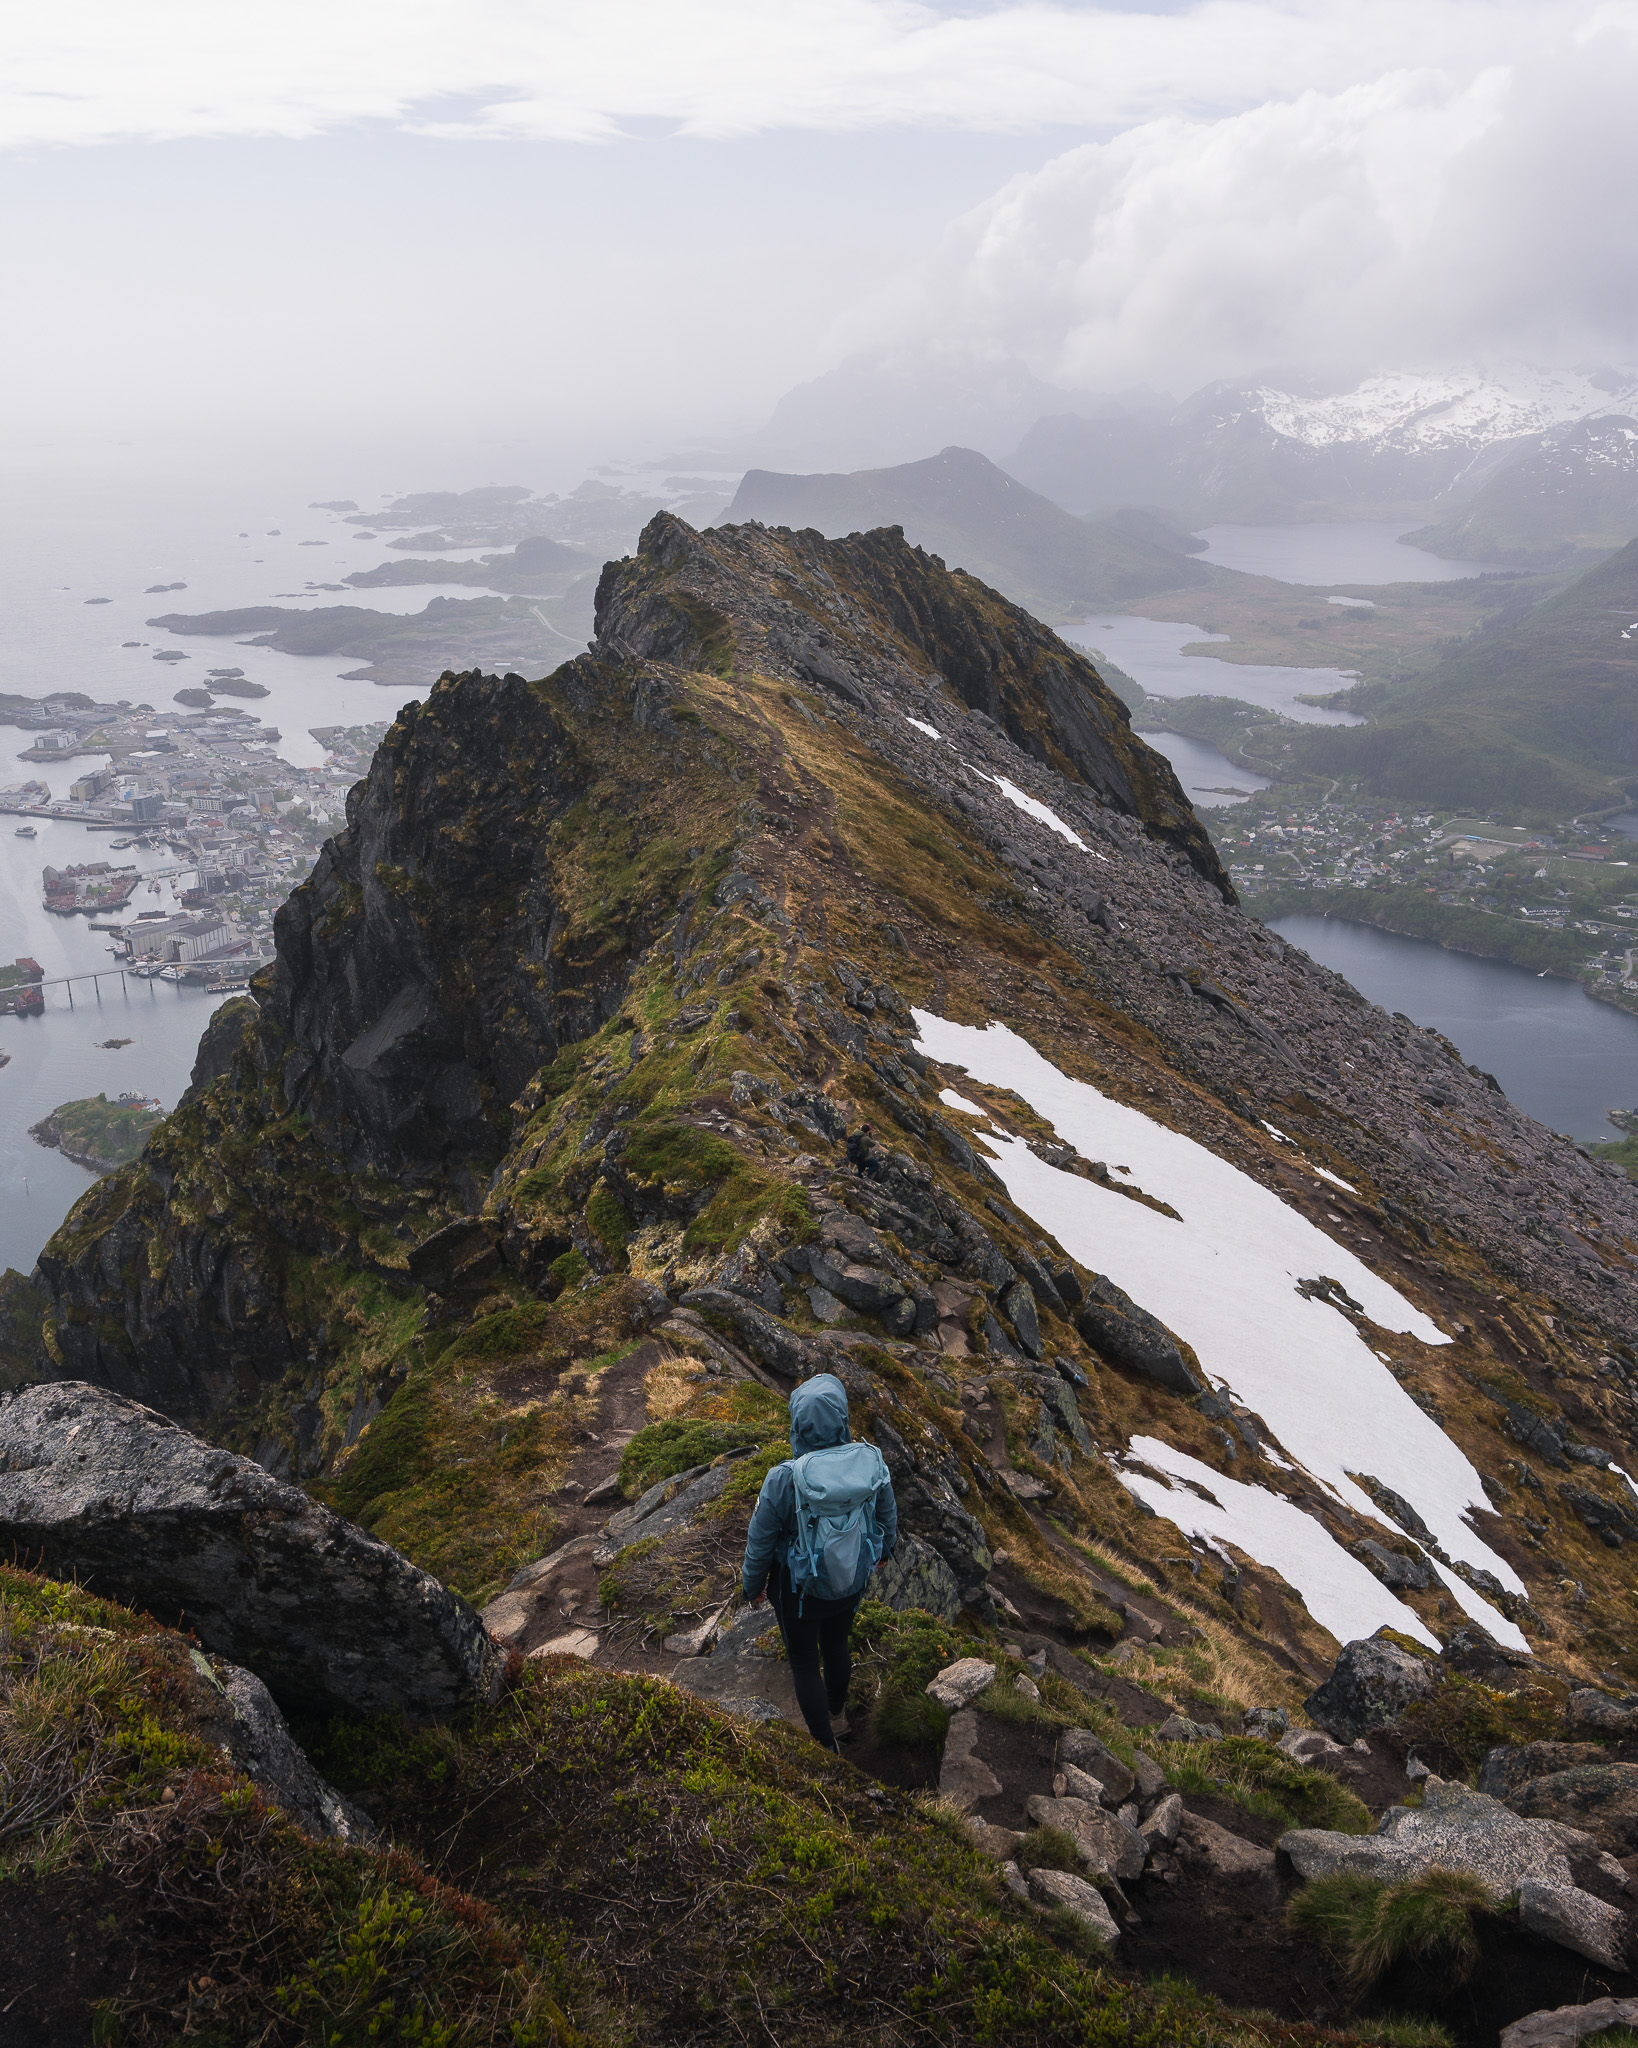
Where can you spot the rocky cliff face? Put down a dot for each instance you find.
(529, 1144)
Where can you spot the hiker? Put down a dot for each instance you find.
(823, 1522)
(861, 1153)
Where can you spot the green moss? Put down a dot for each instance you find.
(509, 1333)
(607, 1220)
(1469, 1718)
(567, 1270)
(664, 1448)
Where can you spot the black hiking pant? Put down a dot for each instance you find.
(817, 1636)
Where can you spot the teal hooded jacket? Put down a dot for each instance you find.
(818, 1420)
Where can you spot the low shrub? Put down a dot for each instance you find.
(1467, 1719)
(1369, 1927)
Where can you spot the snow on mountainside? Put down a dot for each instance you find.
(1397, 441)
(1443, 408)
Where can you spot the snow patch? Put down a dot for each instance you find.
(1335, 1179)
(931, 731)
(1337, 1590)
(1225, 1279)
(960, 1102)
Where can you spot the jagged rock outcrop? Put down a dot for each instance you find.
(114, 1496)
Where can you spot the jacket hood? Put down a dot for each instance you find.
(818, 1414)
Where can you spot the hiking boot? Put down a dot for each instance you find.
(839, 1727)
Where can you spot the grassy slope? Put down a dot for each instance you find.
(595, 1860)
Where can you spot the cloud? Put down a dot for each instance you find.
(1426, 215)
(99, 71)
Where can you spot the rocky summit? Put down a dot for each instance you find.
(1255, 1380)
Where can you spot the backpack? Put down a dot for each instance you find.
(837, 1544)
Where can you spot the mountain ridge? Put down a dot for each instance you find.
(1206, 1317)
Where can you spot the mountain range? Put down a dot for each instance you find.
(1263, 454)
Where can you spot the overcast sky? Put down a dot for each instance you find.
(618, 223)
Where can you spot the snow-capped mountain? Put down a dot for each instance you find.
(1445, 409)
(1396, 442)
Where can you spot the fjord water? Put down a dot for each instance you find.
(1563, 1058)
(77, 528)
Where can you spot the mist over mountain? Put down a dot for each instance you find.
(960, 506)
(1574, 492)
(1269, 453)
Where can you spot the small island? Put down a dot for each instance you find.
(96, 1133)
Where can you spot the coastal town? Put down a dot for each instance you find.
(1561, 899)
(204, 784)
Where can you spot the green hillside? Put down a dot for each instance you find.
(1570, 497)
(1539, 715)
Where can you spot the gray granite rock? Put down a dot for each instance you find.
(102, 1490)
(1064, 1889)
(1454, 1826)
(1224, 1853)
(1079, 1746)
(916, 1576)
(1372, 1683)
(964, 1778)
(1575, 1920)
(265, 1750)
(960, 1682)
(1564, 2025)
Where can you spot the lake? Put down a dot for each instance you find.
(1336, 552)
(1210, 779)
(1563, 1058)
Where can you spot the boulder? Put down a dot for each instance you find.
(1455, 1827)
(964, 1778)
(1062, 1888)
(1080, 1747)
(1308, 1746)
(1575, 1920)
(960, 1682)
(1509, 1765)
(1323, 1852)
(1600, 1799)
(1372, 1683)
(1151, 1779)
(1268, 1724)
(1113, 1324)
(1179, 1728)
(1079, 1784)
(1596, 1710)
(264, 1749)
(916, 1576)
(99, 1489)
(1564, 2025)
(1103, 1840)
(1224, 1853)
(1163, 1825)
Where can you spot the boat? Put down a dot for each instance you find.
(119, 845)
(171, 974)
(25, 832)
